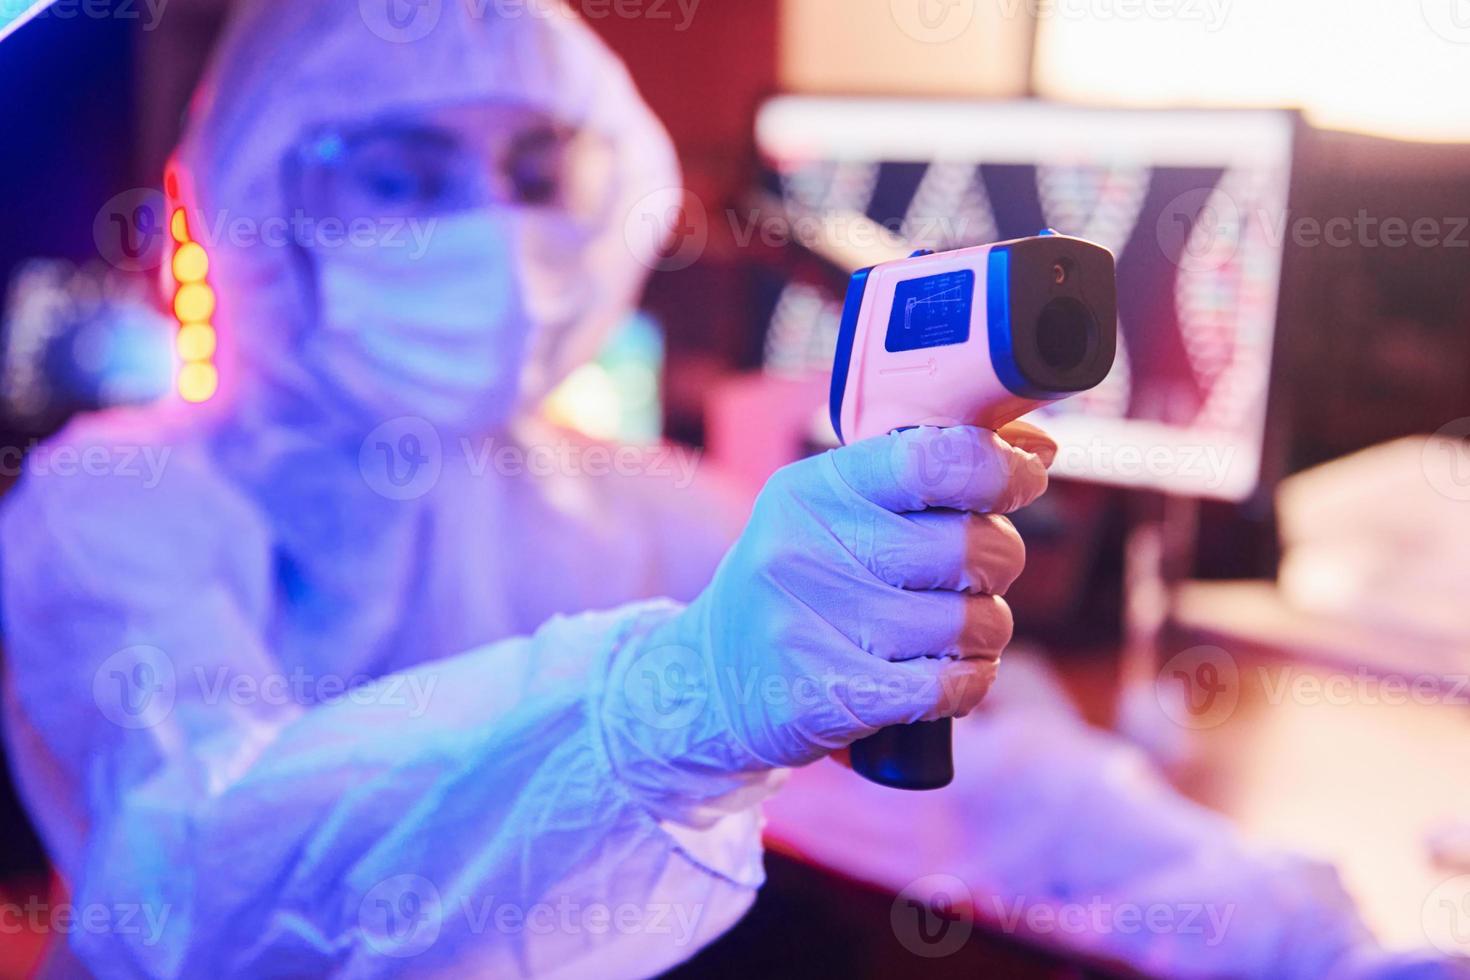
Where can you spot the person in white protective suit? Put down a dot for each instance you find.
(304, 717)
(325, 697)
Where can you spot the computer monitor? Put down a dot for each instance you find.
(1192, 203)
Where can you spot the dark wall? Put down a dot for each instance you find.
(1377, 332)
(66, 119)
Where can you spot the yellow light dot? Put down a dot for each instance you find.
(190, 263)
(179, 226)
(196, 342)
(194, 303)
(198, 382)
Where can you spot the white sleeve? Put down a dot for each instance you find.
(460, 818)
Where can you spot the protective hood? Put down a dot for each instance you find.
(284, 67)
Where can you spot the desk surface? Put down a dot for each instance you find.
(1346, 765)
(1255, 614)
(1348, 745)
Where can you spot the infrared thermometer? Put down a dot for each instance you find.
(977, 336)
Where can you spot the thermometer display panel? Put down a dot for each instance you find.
(931, 312)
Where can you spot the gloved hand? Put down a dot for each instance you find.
(864, 592)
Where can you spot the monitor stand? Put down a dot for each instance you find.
(1154, 711)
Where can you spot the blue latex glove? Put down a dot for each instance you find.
(864, 592)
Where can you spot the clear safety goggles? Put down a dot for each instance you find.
(450, 160)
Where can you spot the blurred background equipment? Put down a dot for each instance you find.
(1185, 200)
(79, 340)
(616, 397)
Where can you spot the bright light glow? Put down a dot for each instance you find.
(587, 401)
(196, 342)
(903, 47)
(191, 264)
(17, 13)
(194, 303)
(198, 382)
(803, 127)
(1394, 68)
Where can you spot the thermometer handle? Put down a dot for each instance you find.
(917, 756)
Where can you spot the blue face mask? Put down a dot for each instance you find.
(435, 327)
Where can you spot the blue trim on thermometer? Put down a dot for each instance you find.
(998, 309)
(842, 361)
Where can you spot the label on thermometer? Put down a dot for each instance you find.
(931, 312)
